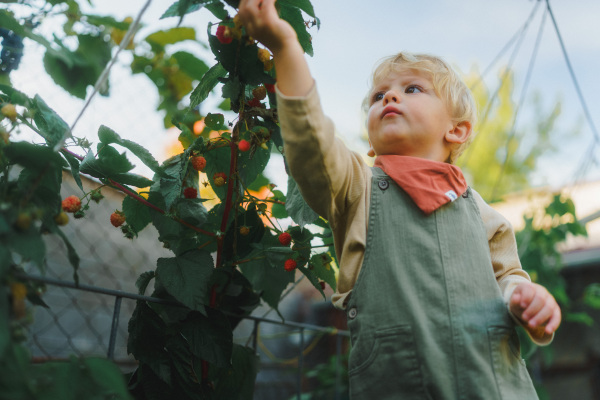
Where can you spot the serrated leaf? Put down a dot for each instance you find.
(130, 179)
(293, 15)
(237, 382)
(108, 136)
(192, 211)
(304, 5)
(191, 65)
(210, 337)
(174, 9)
(143, 281)
(296, 206)
(108, 164)
(74, 164)
(147, 333)
(71, 252)
(15, 96)
(137, 214)
(33, 156)
(321, 267)
(186, 278)
(207, 84)
(218, 160)
(29, 245)
(51, 126)
(312, 278)
(252, 221)
(215, 121)
(171, 36)
(106, 20)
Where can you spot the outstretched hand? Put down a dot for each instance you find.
(536, 307)
(262, 22)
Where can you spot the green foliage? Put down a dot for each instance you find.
(226, 260)
(503, 155)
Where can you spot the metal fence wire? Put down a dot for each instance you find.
(91, 318)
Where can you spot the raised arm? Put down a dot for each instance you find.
(263, 23)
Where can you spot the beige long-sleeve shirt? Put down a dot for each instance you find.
(336, 183)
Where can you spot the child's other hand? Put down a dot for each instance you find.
(536, 307)
(263, 23)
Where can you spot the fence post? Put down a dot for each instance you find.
(300, 363)
(113, 328)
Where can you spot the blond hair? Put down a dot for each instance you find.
(448, 86)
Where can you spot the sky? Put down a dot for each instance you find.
(353, 36)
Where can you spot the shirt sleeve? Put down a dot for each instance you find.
(329, 175)
(506, 263)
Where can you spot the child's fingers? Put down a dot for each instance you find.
(535, 305)
(555, 320)
(543, 315)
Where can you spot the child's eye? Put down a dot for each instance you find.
(377, 97)
(413, 89)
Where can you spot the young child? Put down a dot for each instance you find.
(429, 274)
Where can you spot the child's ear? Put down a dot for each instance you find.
(371, 152)
(460, 133)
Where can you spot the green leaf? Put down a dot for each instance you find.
(51, 126)
(304, 5)
(43, 188)
(33, 156)
(192, 211)
(85, 67)
(108, 136)
(267, 275)
(218, 160)
(147, 334)
(252, 221)
(108, 164)
(171, 36)
(130, 179)
(218, 10)
(29, 245)
(186, 278)
(174, 11)
(71, 253)
(74, 164)
(207, 84)
(251, 165)
(296, 206)
(190, 64)
(106, 20)
(293, 15)
(321, 267)
(143, 281)
(312, 278)
(591, 295)
(15, 97)
(215, 121)
(137, 214)
(210, 338)
(237, 382)
(580, 317)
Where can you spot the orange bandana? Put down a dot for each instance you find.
(430, 184)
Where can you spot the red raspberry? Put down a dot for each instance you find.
(190, 193)
(270, 87)
(255, 103)
(259, 92)
(71, 204)
(220, 178)
(117, 219)
(223, 34)
(290, 265)
(285, 238)
(244, 145)
(322, 283)
(198, 163)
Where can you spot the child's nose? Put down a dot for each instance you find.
(390, 96)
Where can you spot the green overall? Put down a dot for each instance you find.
(426, 315)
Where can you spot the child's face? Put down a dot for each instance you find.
(406, 117)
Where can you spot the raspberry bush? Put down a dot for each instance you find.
(226, 260)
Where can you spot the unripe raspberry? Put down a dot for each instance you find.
(96, 195)
(264, 55)
(270, 87)
(190, 193)
(268, 65)
(244, 230)
(285, 238)
(23, 221)
(61, 218)
(198, 163)
(117, 219)
(220, 178)
(9, 111)
(259, 92)
(244, 145)
(71, 204)
(18, 291)
(290, 264)
(223, 34)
